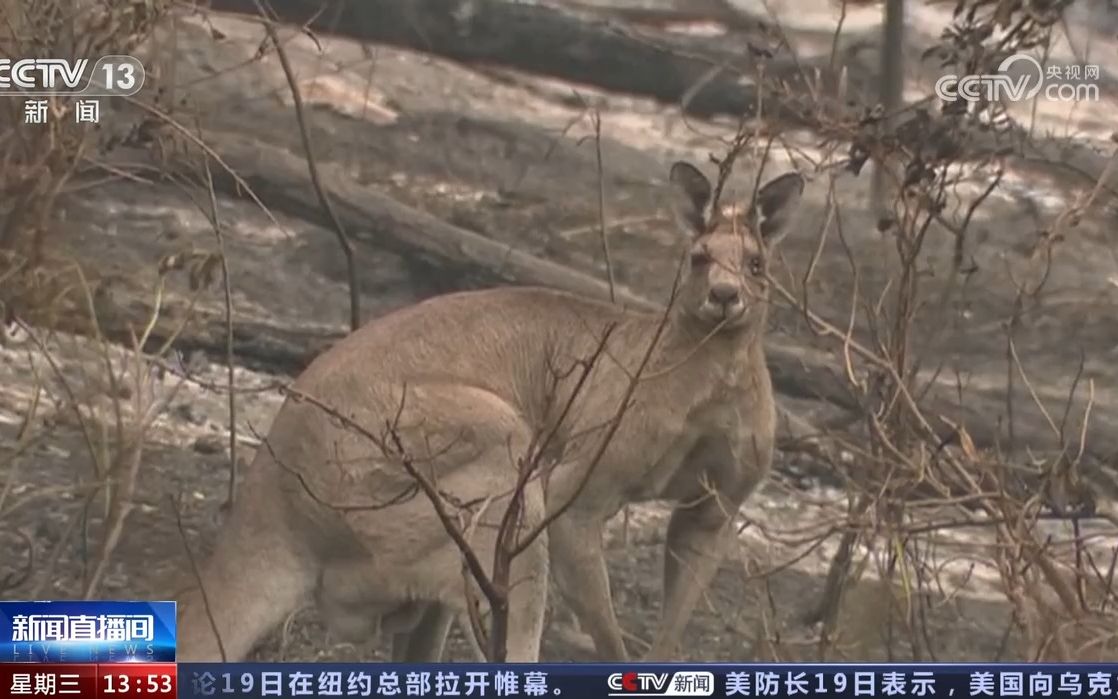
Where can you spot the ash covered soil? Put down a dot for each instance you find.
(506, 155)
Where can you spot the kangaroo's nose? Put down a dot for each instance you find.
(724, 294)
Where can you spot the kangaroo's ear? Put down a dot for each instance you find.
(775, 205)
(690, 196)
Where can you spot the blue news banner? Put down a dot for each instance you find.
(126, 650)
(103, 650)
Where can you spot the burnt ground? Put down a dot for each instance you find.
(507, 155)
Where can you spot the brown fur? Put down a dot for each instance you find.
(473, 373)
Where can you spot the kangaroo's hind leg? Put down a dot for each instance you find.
(424, 643)
(528, 602)
(528, 578)
(261, 571)
(467, 444)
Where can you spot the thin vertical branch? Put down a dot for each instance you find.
(596, 119)
(228, 292)
(312, 167)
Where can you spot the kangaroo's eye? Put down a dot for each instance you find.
(756, 266)
(700, 259)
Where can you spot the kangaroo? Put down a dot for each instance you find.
(467, 381)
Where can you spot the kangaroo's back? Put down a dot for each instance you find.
(497, 339)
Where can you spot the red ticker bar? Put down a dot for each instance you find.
(136, 681)
(88, 681)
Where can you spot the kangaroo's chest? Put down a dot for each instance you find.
(683, 453)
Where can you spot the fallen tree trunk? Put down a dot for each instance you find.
(279, 178)
(537, 39)
(678, 12)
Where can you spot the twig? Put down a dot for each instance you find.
(197, 577)
(226, 282)
(312, 168)
(596, 120)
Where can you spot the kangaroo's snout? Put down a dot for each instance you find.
(725, 295)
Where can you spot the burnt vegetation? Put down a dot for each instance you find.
(942, 318)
